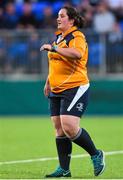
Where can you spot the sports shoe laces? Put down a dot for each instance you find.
(96, 161)
(59, 171)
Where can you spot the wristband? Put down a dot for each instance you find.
(54, 48)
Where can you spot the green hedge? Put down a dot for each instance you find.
(26, 98)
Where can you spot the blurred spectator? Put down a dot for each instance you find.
(19, 1)
(96, 48)
(115, 45)
(11, 19)
(116, 34)
(2, 19)
(87, 11)
(89, 18)
(34, 63)
(117, 9)
(3, 3)
(17, 51)
(119, 16)
(41, 14)
(104, 20)
(115, 4)
(27, 19)
(2, 56)
(48, 20)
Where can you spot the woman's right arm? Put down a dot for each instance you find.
(47, 87)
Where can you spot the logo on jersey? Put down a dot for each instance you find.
(79, 106)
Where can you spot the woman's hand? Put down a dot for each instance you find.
(46, 47)
(47, 89)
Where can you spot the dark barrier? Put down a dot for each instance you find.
(21, 98)
(26, 98)
(106, 98)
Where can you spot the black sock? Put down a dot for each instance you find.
(64, 149)
(84, 140)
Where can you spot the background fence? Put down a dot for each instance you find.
(20, 54)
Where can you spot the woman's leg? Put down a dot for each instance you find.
(63, 144)
(64, 149)
(70, 125)
(80, 136)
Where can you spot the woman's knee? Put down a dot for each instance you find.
(69, 130)
(57, 125)
(70, 125)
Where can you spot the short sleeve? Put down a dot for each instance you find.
(78, 43)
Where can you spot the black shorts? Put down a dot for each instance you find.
(69, 102)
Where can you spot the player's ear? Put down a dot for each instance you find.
(72, 22)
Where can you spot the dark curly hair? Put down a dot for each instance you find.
(72, 13)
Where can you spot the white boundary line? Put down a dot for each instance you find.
(55, 158)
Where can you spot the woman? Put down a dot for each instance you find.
(67, 87)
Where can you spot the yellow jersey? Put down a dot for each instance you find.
(66, 73)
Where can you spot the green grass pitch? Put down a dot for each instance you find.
(32, 138)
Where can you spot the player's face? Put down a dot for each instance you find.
(63, 21)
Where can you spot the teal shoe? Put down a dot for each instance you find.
(98, 163)
(59, 172)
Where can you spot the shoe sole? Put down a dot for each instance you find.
(67, 175)
(57, 177)
(103, 163)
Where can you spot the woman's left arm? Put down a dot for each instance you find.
(74, 51)
(68, 52)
